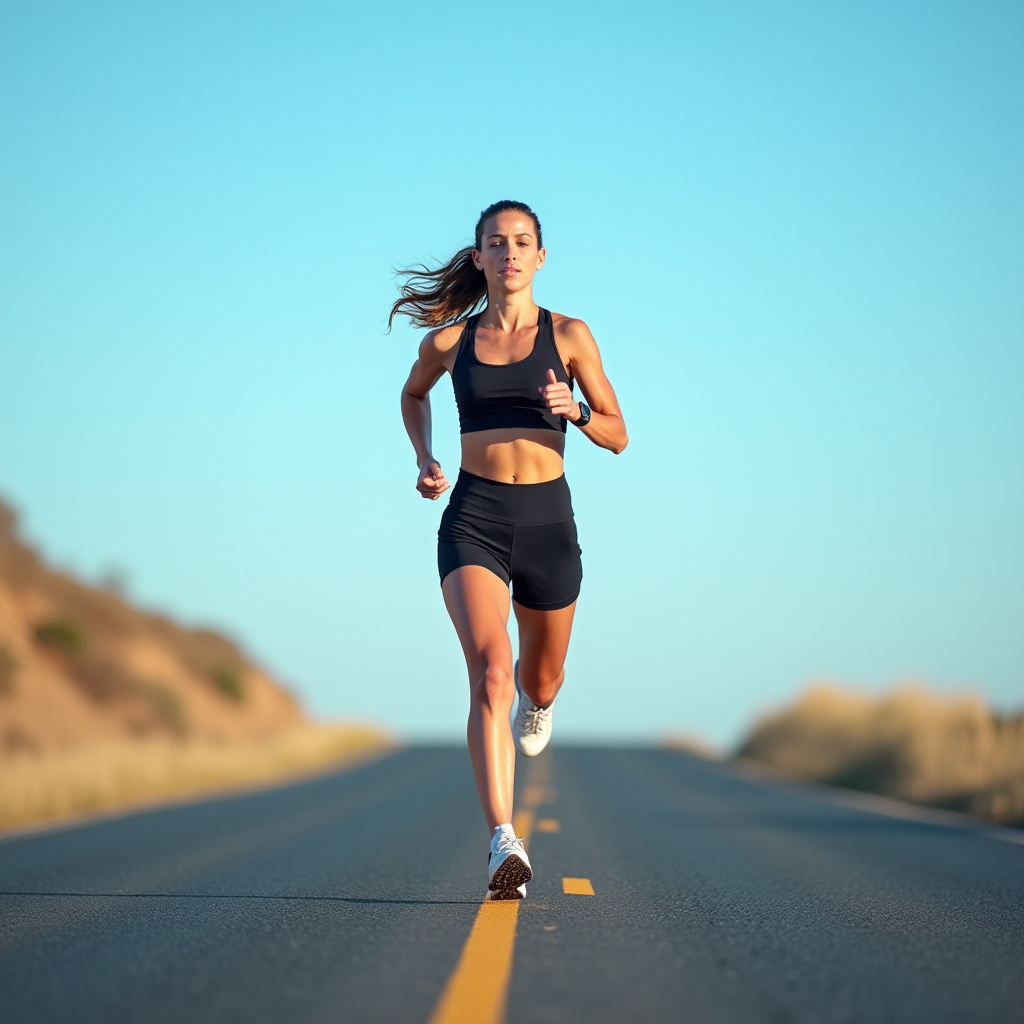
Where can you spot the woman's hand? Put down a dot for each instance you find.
(559, 398)
(431, 482)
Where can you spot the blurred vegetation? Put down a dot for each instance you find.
(61, 635)
(943, 751)
(229, 682)
(8, 670)
(124, 773)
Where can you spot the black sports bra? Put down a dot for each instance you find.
(493, 395)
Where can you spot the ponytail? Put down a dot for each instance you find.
(436, 298)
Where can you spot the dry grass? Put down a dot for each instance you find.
(944, 751)
(123, 773)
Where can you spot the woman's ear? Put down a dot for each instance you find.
(475, 256)
(541, 254)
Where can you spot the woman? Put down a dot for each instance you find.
(510, 517)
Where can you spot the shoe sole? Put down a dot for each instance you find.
(531, 753)
(506, 894)
(512, 873)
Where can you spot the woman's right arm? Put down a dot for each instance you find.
(425, 373)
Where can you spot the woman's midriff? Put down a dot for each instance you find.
(514, 456)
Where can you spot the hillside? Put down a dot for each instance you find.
(943, 751)
(79, 665)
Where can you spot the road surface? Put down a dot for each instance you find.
(357, 897)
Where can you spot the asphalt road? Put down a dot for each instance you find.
(350, 898)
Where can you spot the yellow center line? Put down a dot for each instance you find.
(536, 793)
(522, 824)
(477, 991)
(548, 825)
(577, 886)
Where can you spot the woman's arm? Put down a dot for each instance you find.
(606, 428)
(425, 373)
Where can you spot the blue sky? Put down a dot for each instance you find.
(796, 230)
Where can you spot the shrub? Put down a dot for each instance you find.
(60, 635)
(229, 683)
(8, 670)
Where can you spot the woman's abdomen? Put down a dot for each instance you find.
(514, 456)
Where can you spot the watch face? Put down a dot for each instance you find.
(584, 414)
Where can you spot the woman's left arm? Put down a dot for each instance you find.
(606, 427)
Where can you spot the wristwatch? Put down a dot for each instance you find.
(584, 415)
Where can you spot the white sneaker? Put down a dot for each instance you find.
(508, 867)
(532, 726)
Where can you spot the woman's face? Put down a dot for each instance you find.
(509, 256)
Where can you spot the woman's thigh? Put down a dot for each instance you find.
(478, 603)
(543, 642)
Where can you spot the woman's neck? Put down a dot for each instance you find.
(510, 311)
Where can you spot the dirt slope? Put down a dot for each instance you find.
(79, 665)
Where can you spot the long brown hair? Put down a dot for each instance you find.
(436, 298)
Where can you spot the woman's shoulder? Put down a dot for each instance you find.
(571, 330)
(442, 340)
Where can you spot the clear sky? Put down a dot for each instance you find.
(796, 230)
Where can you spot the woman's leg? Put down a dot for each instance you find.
(543, 644)
(477, 602)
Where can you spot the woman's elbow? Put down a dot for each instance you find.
(620, 446)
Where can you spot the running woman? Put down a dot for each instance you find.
(510, 517)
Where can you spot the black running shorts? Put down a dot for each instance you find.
(524, 533)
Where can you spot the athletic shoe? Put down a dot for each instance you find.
(508, 894)
(508, 867)
(532, 726)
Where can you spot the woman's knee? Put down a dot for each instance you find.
(493, 685)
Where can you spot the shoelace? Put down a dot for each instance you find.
(507, 844)
(535, 718)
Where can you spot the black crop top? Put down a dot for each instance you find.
(493, 395)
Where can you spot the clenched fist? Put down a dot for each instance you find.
(559, 398)
(431, 482)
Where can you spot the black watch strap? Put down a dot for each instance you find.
(584, 415)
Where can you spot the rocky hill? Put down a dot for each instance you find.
(79, 664)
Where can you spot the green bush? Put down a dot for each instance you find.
(8, 670)
(229, 682)
(60, 635)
